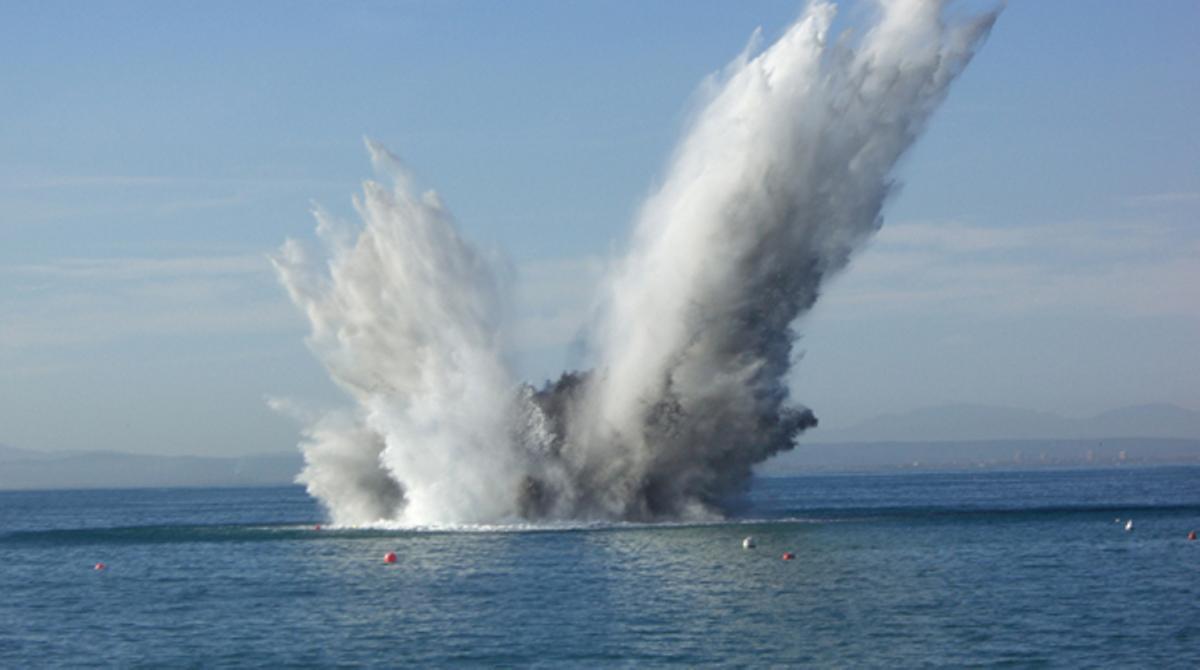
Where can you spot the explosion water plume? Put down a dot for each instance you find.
(781, 176)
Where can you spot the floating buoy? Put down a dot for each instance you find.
(787, 555)
(748, 543)
(99, 566)
(389, 557)
(1129, 525)
(1192, 536)
(317, 527)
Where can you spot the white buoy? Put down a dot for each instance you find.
(748, 543)
(1129, 525)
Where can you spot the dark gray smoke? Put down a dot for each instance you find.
(675, 484)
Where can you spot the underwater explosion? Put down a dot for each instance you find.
(781, 175)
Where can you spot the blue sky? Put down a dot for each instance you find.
(1044, 251)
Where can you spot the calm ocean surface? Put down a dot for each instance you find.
(992, 569)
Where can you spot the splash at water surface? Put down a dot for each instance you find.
(781, 176)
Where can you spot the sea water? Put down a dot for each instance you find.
(1012, 569)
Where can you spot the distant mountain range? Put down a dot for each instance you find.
(971, 454)
(972, 436)
(956, 423)
(938, 437)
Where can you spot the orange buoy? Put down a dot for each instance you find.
(100, 566)
(1192, 535)
(389, 557)
(787, 555)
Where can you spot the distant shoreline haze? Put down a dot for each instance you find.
(976, 454)
(969, 422)
(948, 437)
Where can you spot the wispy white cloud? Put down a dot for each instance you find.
(123, 181)
(101, 301)
(31, 200)
(100, 324)
(1166, 198)
(143, 268)
(955, 268)
(84, 181)
(949, 237)
(916, 268)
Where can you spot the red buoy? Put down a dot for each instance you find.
(787, 555)
(389, 557)
(100, 566)
(1192, 535)
(317, 527)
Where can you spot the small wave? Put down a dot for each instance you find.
(960, 512)
(171, 534)
(573, 526)
(159, 534)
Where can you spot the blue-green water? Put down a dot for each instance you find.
(1014, 569)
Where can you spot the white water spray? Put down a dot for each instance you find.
(782, 175)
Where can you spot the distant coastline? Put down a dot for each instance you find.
(22, 469)
(949, 437)
(983, 454)
(29, 470)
